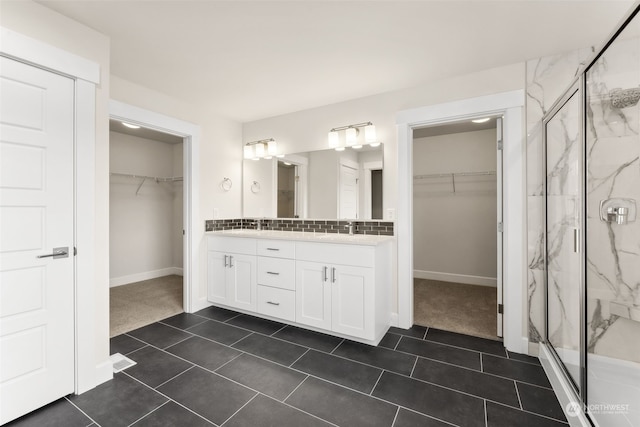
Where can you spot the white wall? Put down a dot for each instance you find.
(454, 234)
(41, 23)
(145, 228)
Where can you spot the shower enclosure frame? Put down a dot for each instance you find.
(568, 391)
(576, 88)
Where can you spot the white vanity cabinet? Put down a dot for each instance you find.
(316, 282)
(231, 272)
(338, 291)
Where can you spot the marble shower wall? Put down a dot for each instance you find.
(547, 79)
(613, 171)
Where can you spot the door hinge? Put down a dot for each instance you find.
(75, 251)
(183, 232)
(500, 227)
(500, 309)
(500, 145)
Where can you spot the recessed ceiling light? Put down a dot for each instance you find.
(481, 120)
(129, 125)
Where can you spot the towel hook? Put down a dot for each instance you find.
(226, 184)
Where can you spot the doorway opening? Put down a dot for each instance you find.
(457, 208)
(146, 226)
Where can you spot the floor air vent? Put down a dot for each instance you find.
(120, 362)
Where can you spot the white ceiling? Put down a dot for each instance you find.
(248, 60)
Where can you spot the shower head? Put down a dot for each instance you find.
(623, 98)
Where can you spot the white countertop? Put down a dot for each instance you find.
(356, 239)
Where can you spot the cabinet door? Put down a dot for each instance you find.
(241, 276)
(313, 294)
(352, 299)
(217, 289)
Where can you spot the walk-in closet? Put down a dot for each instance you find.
(455, 227)
(145, 226)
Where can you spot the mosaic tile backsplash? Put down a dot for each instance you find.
(380, 228)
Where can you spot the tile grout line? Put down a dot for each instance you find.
(294, 390)
(481, 365)
(395, 417)
(336, 347)
(234, 343)
(239, 409)
(148, 413)
(167, 397)
(242, 353)
(424, 337)
(283, 327)
(486, 415)
(376, 384)
(175, 376)
(415, 363)
(301, 356)
(515, 383)
(83, 412)
(395, 347)
(531, 413)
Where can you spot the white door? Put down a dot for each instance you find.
(352, 302)
(36, 216)
(313, 294)
(348, 202)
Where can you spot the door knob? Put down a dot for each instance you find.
(57, 253)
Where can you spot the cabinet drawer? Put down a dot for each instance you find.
(277, 272)
(332, 253)
(237, 245)
(276, 248)
(276, 302)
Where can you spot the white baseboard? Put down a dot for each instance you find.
(104, 372)
(393, 320)
(138, 277)
(456, 278)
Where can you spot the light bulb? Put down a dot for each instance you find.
(370, 133)
(334, 139)
(351, 135)
(260, 150)
(248, 152)
(272, 148)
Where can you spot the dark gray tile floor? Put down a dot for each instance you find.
(218, 367)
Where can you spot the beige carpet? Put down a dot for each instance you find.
(455, 307)
(138, 304)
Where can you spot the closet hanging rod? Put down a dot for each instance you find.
(449, 175)
(144, 177)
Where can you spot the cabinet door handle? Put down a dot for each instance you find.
(273, 249)
(333, 275)
(273, 272)
(230, 261)
(226, 261)
(273, 303)
(325, 273)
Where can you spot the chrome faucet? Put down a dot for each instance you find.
(350, 227)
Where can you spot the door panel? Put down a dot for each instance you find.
(242, 277)
(36, 215)
(352, 301)
(348, 192)
(216, 277)
(313, 295)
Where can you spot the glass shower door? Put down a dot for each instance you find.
(613, 232)
(564, 191)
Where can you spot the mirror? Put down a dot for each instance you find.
(324, 184)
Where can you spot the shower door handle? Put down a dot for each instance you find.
(576, 240)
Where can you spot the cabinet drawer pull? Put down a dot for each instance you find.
(325, 273)
(273, 303)
(273, 249)
(333, 275)
(273, 272)
(226, 260)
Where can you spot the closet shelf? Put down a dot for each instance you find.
(144, 178)
(452, 176)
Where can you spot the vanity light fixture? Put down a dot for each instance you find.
(351, 136)
(486, 119)
(131, 126)
(264, 148)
